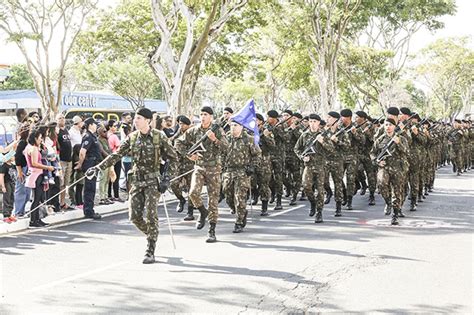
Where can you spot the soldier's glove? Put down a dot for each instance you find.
(250, 170)
(92, 172)
(164, 183)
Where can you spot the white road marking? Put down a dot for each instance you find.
(285, 211)
(75, 277)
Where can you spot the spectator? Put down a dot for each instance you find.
(75, 135)
(167, 124)
(107, 173)
(126, 122)
(65, 157)
(7, 187)
(126, 159)
(35, 179)
(22, 193)
(114, 144)
(35, 116)
(76, 175)
(52, 158)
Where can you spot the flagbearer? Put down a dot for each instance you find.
(240, 162)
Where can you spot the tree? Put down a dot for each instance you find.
(31, 24)
(177, 63)
(132, 79)
(19, 79)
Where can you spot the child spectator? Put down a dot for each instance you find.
(7, 187)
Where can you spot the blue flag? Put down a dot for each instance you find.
(247, 117)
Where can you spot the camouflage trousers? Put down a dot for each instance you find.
(335, 169)
(414, 179)
(236, 185)
(292, 179)
(141, 198)
(262, 179)
(277, 175)
(211, 177)
(391, 186)
(365, 164)
(350, 169)
(182, 184)
(314, 176)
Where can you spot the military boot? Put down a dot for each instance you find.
(319, 216)
(221, 196)
(303, 196)
(426, 190)
(349, 203)
(400, 213)
(150, 252)
(338, 209)
(413, 204)
(363, 188)
(238, 228)
(328, 197)
(255, 196)
(371, 199)
(420, 199)
(388, 207)
(293, 199)
(180, 206)
(394, 217)
(190, 215)
(232, 210)
(211, 234)
(278, 203)
(272, 197)
(312, 211)
(202, 217)
(264, 212)
(344, 198)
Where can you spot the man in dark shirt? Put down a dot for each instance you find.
(89, 156)
(168, 126)
(65, 158)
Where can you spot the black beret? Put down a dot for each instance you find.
(416, 116)
(362, 114)
(89, 121)
(288, 111)
(334, 114)
(393, 111)
(323, 123)
(207, 109)
(306, 118)
(315, 117)
(381, 121)
(298, 115)
(145, 112)
(228, 109)
(458, 120)
(260, 117)
(405, 111)
(185, 120)
(392, 121)
(346, 112)
(272, 113)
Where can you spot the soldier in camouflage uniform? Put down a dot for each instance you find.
(363, 154)
(418, 140)
(314, 164)
(350, 156)
(207, 168)
(277, 155)
(146, 146)
(389, 179)
(240, 162)
(185, 165)
(335, 159)
(264, 171)
(455, 138)
(292, 162)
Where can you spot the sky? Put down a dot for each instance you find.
(459, 25)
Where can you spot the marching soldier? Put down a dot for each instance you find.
(391, 168)
(311, 147)
(207, 167)
(292, 163)
(455, 138)
(147, 146)
(240, 162)
(415, 157)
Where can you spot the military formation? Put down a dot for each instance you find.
(315, 158)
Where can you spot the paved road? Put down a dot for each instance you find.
(282, 263)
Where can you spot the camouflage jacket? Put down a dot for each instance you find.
(267, 144)
(242, 153)
(322, 150)
(278, 152)
(292, 136)
(212, 156)
(396, 161)
(356, 139)
(342, 145)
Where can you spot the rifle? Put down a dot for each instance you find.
(386, 150)
(198, 146)
(310, 146)
(271, 128)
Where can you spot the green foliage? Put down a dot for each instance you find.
(20, 79)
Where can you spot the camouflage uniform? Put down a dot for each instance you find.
(240, 161)
(389, 179)
(314, 171)
(146, 151)
(207, 169)
(292, 178)
(278, 158)
(264, 171)
(351, 163)
(455, 138)
(365, 162)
